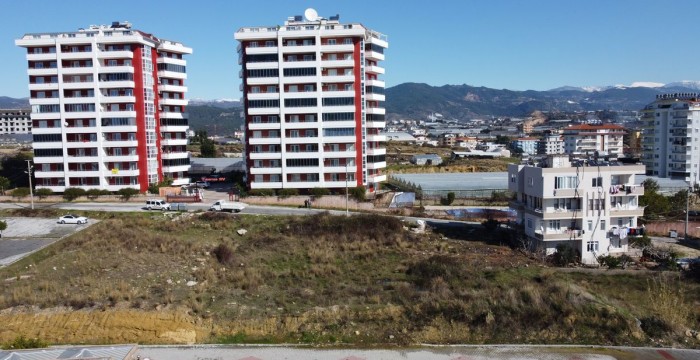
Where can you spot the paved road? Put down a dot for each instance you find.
(501, 352)
(27, 235)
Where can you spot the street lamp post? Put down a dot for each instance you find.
(347, 211)
(31, 191)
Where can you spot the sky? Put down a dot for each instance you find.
(503, 44)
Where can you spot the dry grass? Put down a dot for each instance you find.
(323, 278)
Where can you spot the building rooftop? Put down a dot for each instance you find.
(595, 127)
(113, 352)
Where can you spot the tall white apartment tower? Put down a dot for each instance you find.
(671, 137)
(314, 104)
(590, 205)
(108, 108)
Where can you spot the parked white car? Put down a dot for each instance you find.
(72, 219)
(157, 204)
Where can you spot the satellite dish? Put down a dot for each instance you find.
(310, 14)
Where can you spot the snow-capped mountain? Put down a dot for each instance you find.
(687, 84)
(222, 103)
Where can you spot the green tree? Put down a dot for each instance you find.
(358, 193)
(564, 255)
(20, 192)
(22, 342)
(4, 184)
(127, 193)
(71, 194)
(3, 226)
(43, 193)
(207, 148)
(93, 194)
(655, 204)
(318, 192)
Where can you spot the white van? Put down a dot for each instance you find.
(157, 204)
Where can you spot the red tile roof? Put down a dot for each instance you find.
(595, 127)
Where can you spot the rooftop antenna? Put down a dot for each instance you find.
(310, 14)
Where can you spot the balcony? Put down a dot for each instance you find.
(376, 124)
(49, 174)
(627, 210)
(174, 102)
(173, 115)
(376, 178)
(373, 69)
(120, 143)
(172, 74)
(47, 145)
(376, 151)
(266, 185)
(264, 126)
(338, 78)
(265, 155)
(173, 88)
(264, 141)
(378, 83)
(263, 96)
(564, 234)
(76, 55)
(376, 110)
(340, 169)
(376, 165)
(121, 158)
(302, 154)
(261, 50)
(376, 137)
(265, 170)
(337, 63)
(173, 142)
(174, 128)
(42, 71)
(115, 69)
(339, 154)
(174, 155)
(262, 65)
(80, 144)
(264, 80)
(43, 86)
(375, 97)
(40, 57)
(122, 54)
(374, 55)
(124, 172)
(117, 84)
(169, 60)
(178, 168)
(337, 48)
(118, 114)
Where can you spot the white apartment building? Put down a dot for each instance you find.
(592, 206)
(605, 139)
(15, 121)
(550, 145)
(108, 108)
(314, 104)
(671, 137)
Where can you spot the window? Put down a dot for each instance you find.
(530, 181)
(344, 101)
(300, 102)
(294, 148)
(565, 182)
(309, 87)
(257, 119)
(345, 116)
(263, 103)
(602, 225)
(302, 162)
(590, 225)
(592, 246)
(299, 71)
(260, 73)
(331, 42)
(293, 88)
(529, 223)
(255, 89)
(347, 41)
(272, 89)
(598, 181)
(555, 225)
(339, 132)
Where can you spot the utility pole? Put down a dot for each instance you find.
(687, 208)
(29, 173)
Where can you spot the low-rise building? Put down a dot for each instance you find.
(527, 145)
(591, 206)
(605, 139)
(550, 145)
(15, 121)
(426, 159)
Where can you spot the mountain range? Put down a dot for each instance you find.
(461, 102)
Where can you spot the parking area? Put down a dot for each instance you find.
(27, 235)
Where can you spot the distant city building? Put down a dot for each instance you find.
(314, 104)
(526, 145)
(671, 137)
(592, 208)
(604, 139)
(550, 145)
(15, 121)
(108, 108)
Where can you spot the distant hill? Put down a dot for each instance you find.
(12, 103)
(417, 100)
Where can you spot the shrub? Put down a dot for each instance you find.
(693, 271)
(93, 194)
(564, 256)
(261, 192)
(611, 262)
(20, 192)
(319, 192)
(3, 225)
(490, 224)
(641, 242)
(285, 193)
(127, 193)
(22, 342)
(449, 199)
(43, 193)
(71, 194)
(223, 254)
(358, 193)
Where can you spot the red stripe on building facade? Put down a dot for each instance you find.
(358, 113)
